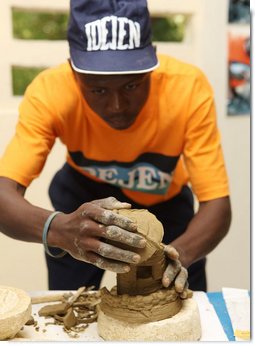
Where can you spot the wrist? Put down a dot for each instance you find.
(53, 236)
(46, 229)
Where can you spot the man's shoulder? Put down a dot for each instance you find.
(54, 88)
(173, 66)
(180, 73)
(56, 74)
(53, 84)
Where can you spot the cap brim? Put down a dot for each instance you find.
(114, 62)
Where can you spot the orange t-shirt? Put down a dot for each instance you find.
(173, 140)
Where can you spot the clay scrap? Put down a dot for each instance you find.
(73, 311)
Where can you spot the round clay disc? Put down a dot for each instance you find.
(15, 310)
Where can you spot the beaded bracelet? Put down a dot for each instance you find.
(46, 228)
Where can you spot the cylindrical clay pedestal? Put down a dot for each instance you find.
(184, 326)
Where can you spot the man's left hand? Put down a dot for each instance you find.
(175, 272)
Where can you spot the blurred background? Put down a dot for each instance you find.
(213, 35)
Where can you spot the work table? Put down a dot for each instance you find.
(215, 322)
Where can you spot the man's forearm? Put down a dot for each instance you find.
(18, 218)
(208, 227)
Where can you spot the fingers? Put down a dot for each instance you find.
(170, 273)
(181, 280)
(105, 250)
(115, 233)
(106, 264)
(174, 271)
(119, 235)
(113, 252)
(171, 252)
(108, 217)
(111, 203)
(111, 265)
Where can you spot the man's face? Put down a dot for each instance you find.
(117, 99)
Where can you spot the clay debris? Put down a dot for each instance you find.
(73, 311)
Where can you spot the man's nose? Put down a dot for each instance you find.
(116, 102)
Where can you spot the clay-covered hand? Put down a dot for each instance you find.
(84, 234)
(175, 272)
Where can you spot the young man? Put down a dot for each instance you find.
(138, 128)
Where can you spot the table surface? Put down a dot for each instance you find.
(215, 322)
(218, 302)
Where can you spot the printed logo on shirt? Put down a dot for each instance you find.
(150, 172)
(113, 33)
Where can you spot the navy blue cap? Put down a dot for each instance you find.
(110, 37)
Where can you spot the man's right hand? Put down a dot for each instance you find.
(83, 233)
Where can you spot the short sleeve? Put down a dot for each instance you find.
(35, 135)
(203, 154)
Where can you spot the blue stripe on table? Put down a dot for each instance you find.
(218, 302)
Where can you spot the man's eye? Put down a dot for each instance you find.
(131, 86)
(98, 91)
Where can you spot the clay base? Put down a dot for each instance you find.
(185, 326)
(157, 306)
